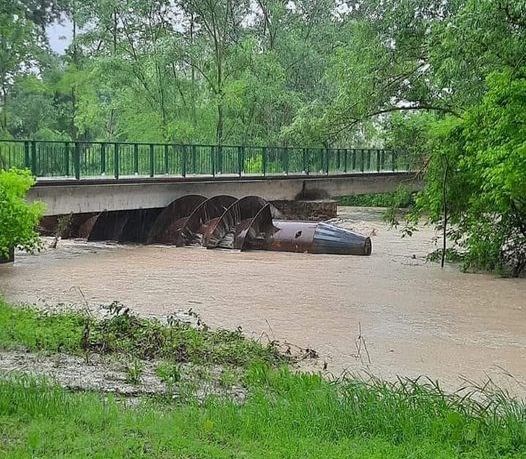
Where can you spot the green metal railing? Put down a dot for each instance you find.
(131, 159)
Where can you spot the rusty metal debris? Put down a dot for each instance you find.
(223, 222)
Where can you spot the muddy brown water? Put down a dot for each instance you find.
(415, 318)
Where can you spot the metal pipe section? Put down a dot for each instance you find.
(318, 238)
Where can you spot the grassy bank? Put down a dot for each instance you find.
(401, 198)
(123, 333)
(285, 414)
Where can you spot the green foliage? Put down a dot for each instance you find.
(479, 162)
(169, 373)
(18, 219)
(134, 370)
(122, 333)
(286, 415)
(409, 133)
(402, 198)
(38, 330)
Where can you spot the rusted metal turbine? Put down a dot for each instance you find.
(166, 229)
(225, 222)
(204, 218)
(248, 225)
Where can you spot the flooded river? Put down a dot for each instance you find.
(415, 318)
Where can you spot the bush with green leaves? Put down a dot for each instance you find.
(18, 218)
(476, 180)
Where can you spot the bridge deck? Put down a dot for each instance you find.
(63, 196)
(136, 178)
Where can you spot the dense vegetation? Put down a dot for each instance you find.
(285, 414)
(476, 178)
(122, 333)
(317, 72)
(444, 80)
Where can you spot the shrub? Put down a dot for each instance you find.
(18, 218)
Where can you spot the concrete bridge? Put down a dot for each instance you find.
(63, 196)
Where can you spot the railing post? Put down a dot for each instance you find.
(194, 160)
(174, 149)
(368, 160)
(219, 159)
(152, 161)
(377, 160)
(305, 165)
(286, 160)
(213, 160)
(136, 159)
(116, 160)
(34, 158)
(326, 161)
(345, 160)
(76, 160)
(393, 160)
(27, 157)
(239, 160)
(166, 159)
(264, 160)
(103, 158)
(183, 159)
(362, 162)
(353, 159)
(66, 158)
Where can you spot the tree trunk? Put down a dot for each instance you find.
(219, 127)
(74, 133)
(193, 92)
(4, 103)
(444, 215)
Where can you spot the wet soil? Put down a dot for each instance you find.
(109, 375)
(389, 314)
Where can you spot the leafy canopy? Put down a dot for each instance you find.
(477, 172)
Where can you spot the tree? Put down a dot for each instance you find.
(18, 218)
(17, 41)
(476, 178)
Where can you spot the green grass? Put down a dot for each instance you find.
(286, 415)
(123, 333)
(401, 198)
(38, 330)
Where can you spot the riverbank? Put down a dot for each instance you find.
(281, 413)
(116, 351)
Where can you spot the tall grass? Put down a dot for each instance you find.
(401, 198)
(124, 333)
(286, 415)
